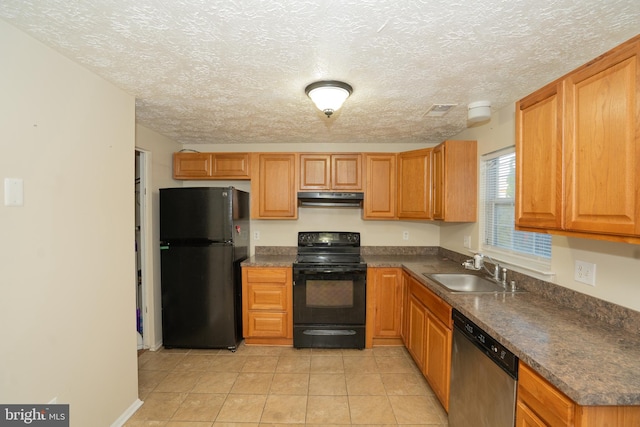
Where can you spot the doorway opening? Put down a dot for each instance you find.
(141, 247)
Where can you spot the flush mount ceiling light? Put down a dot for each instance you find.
(479, 111)
(328, 95)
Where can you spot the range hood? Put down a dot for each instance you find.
(330, 199)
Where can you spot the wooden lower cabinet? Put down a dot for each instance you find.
(384, 306)
(541, 404)
(267, 305)
(417, 331)
(437, 366)
(428, 337)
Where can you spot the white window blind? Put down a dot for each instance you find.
(497, 190)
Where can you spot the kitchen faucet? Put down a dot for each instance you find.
(477, 263)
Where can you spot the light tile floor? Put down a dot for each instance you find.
(261, 386)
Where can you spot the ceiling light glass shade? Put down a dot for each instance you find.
(328, 95)
(479, 111)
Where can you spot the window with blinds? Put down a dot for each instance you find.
(497, 192)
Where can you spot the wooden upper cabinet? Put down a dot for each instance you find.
(191, 165)
(346, 171)
(455, 181)
(315, 171)
(230, 166)
(380, 186)
(578, 151)
(539, 159)
(602, 144)
(324, 172)
(414, 184)
(273, 186)
(187, 165)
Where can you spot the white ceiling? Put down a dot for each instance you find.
(234, 71)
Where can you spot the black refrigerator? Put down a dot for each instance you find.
(204, 236)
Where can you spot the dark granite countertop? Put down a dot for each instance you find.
(269, 261)
(591, 361)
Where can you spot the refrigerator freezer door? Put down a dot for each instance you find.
(200, 297)
(196, 213)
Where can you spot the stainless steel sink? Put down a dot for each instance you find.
(466, 282)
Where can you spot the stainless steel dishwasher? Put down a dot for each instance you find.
(484, 376)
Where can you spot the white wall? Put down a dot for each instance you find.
(67, 279)
(617, 264)
(160, 150)
(284, 232)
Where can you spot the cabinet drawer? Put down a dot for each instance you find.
(440, 309)
(543, 398)
(262, 324)
(267, 297)
(267, 275)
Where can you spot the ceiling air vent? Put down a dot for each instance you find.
(439, 110)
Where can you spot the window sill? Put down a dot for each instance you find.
(539, 270)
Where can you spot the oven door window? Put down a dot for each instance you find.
(325, 298)
(329, 294)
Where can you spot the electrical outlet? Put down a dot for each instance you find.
(585, 272)
(256, 235)
(467, 242)
(405, 235)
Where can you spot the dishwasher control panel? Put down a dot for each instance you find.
(485, 342)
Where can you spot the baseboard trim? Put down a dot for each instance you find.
(127, 414)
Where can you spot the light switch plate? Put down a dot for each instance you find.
(13, 192)
(585, 272)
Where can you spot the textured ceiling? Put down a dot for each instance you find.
(234, 71)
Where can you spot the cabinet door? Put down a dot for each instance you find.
(380, 186)
(455, 181)
(437, 368)
(539, 190)
(346, 172)
(602, 144)
(417, 331)
(273, 186)
(525, 417)
(230, 166)
(388, 302)
(437, 181)
(414, 184)
(191, 165)
(315, 171)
